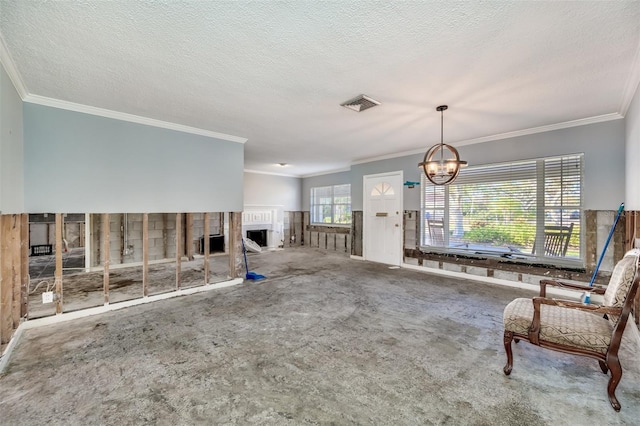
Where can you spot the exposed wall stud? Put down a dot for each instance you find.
(24, 254)
(145, 254)
(18, 268)
(178, 249)
(235, 245)
(6, 321)
(58, 273)
(106, 255)
(189, 236)
(207, 249)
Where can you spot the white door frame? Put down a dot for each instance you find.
(398, 243)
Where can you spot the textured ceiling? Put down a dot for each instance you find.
(276, 72)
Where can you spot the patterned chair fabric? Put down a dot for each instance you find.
(564, 326)
(620, 281)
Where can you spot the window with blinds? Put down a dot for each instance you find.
(522, 209)
(331, 205)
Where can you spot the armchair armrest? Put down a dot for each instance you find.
(534, 330)
(569, 286)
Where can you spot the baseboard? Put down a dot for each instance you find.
(4, 358)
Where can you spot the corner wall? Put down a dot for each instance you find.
(11, 147)
(632, 154)
(272, 190)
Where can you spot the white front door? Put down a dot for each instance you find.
(382, 217)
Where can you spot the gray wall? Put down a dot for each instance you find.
(323, 180)
(411, 172)
(272, 190)
(11, 147)
(632, 167)
(77, 162)
(603, 145)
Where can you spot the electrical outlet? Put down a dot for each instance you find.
(47, 297)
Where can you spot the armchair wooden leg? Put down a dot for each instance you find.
(603, 367)
(616, 374)
(508, 337)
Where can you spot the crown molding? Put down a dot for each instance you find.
(543, 129)
(633, 83)
(102, 112)
(500, 136)
(258, 172)
(12, 71)
(329, 172)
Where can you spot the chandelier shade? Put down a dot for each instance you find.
(442, 162)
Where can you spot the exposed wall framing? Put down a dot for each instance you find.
(13, 257)
(127, 237)
(293, 226)
(236, 258)
(145, 254)
(207, 248)
(179, 248)
(104, 226)
(58, 273)
(356, 233)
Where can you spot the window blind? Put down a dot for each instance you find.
(504, 208)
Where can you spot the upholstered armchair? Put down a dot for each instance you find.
(589, 330)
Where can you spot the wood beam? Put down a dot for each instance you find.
(123, 237)
(145, 254)
(165, 235)
(206, 249)
(189, 236)
(235, 245)
(106, 255)
(2, 283)
(58, 273)
(16, 249)
(24, 292)
(178, 249)
(9, 273)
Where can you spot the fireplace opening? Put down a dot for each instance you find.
(259, 236)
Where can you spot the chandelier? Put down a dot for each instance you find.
(442, 168)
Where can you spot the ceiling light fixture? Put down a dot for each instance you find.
(282, 164)
(441, 170)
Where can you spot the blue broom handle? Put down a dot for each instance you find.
(606, 244)
(244, 251)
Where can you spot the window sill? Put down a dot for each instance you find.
(565, 269)
(514, 259)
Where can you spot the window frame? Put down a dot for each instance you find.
(541, 209)
(333, 205)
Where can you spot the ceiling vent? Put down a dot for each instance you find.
(360, 103)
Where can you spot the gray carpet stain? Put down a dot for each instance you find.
(323, 340)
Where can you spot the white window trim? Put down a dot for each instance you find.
(333, 204)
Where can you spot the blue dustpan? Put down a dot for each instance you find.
(254, 276)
